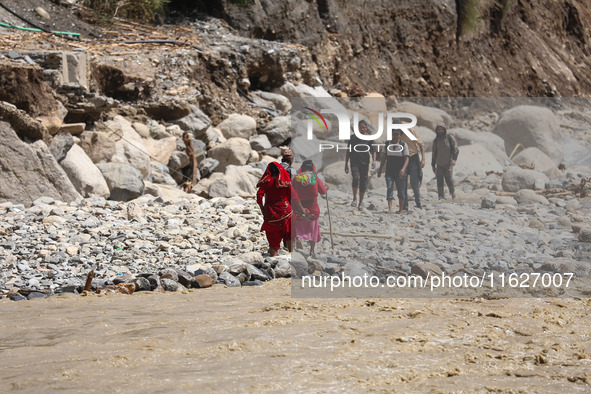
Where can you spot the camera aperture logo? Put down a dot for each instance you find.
(392, 121)
(315, 115)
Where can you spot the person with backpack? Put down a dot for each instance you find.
(395, 159)
(445, 154)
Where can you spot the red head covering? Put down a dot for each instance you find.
(282, 180)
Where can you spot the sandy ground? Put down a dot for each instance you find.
(247, 339)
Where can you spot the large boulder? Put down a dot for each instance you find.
(492, 142)
(238, 126)
(162, 149)
(528, 196)
(474, 158)
(516, 178)
(426, 116)
(130, 148)
(575, 154)
(531, 126)
(534, 156)
(161, 174)
(291, 91)
(274, 100)
(178, 160)
(30, 171)
(236, 181)
(84, 174)
(234, 151)
(125, 182)
(98, 145)
(260, 142)
(167, 109)
(278, 130)
(335, 174)
(196, 123)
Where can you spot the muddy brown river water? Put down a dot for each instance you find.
(261, 339)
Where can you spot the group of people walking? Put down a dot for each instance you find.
(401, 158)
(281, 187)
(284, 191)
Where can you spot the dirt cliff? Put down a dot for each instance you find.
(418, 47)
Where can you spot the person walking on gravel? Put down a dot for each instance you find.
(275, 187)
(395, 159)
(445, 154)
(308, 186)
(359, 152)
(415, 167)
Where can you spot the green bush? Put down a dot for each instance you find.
(139, 10)
(468, 16)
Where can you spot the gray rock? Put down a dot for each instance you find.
(516, 178)
(124, 181)
(235, 151)
(237, 181)
(278, 130)
(184, 278)
(36, 295)
(531, 126)
(60, 145)
(487, 203)
(170, 272)
(585, 235)
(84, 174)
(161, 174)
(130, 148)
(252, 283)
(208, 166)
(527, 196)
(169, 285)
(268, 99)
(31, 171)
(197, 122)
(229, 280)
(426, 116)
(141, 284)
(178, 160)
(238, 126)
(535, 156)
(255, 274)
(260, 142)
(424, 269)
(99, 146)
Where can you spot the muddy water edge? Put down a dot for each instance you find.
(246, 339)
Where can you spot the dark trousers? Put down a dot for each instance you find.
(445, 172)
(360, 172)
(413, 171)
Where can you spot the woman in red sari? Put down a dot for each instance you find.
(308, 186)
(275, 187)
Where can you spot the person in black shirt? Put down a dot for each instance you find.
(395, 159)
(360, 152)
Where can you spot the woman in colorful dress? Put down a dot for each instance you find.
(308, 186)
(275, 187)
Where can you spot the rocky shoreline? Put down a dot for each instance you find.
(51, 247)
(192, 242)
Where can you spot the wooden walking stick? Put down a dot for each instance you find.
(329, 222)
